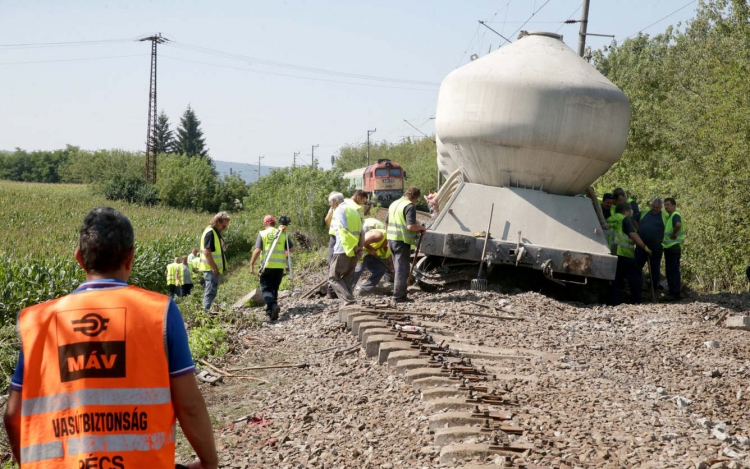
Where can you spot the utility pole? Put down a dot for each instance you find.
(369, 132)
(312, 156)
(259, 158)
(584, 25)
(150, 173)
(294, 161)
(333, 160)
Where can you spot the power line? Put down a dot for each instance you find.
(532, 15)
(32, 45)
(659, 21)
(303, 68)
(295, 76)
(72, 60)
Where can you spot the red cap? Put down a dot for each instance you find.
(268, 219)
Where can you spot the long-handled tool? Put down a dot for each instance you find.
(289, 260)
(651, 278)
(414, 261)
(479, 283)
(270, 251)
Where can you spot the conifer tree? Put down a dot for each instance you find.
(164, 142)
(190, 139)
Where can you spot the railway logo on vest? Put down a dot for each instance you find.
(94, 325)
(91, 343)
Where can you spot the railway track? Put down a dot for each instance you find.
(471, 407)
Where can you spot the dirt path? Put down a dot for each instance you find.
(631, 386)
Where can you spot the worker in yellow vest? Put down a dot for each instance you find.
(334, 199)
(193, 254)
(213, 256)
(186, 280)
(401, 232)
(273, 273)
(173, 278)
(195, 269)
(348, 247)
(674, 237)
(104, 373)
(378, 260)
(622, 196)
(626, 239)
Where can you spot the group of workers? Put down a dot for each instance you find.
(357, 243)
(181, 272)
(638, 238)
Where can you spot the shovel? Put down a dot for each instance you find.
(480, 284)
(414, 262)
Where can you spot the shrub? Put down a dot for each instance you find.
(131, 189)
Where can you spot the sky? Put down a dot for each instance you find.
(266, 78)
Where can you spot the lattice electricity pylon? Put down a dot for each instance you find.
(150, 174)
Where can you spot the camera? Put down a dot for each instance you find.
(284, 221)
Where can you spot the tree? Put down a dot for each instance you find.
(190, 141)
(185, 182)
(163, 140)
(689, 138)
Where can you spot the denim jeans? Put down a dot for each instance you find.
(377, 269)
(212, 286)
(401, 264)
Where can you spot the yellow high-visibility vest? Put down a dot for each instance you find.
(397, 228)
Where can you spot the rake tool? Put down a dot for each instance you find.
(479, 283)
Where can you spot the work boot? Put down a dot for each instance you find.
(403, 300)
(275, 312)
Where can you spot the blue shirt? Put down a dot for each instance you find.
(651, 228)
(178, 352)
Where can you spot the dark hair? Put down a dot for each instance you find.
(359, 193)
(608, 196)
(412, 192)
(622, 207)
(671, 201)
(619, 192)
(105, 239)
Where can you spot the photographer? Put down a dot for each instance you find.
(273, 271)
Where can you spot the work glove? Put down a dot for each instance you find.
(648, 251)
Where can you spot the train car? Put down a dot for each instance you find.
(383, 181)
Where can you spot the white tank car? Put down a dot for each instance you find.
(526, 128)
(532, 114)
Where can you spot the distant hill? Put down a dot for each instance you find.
(248, 172)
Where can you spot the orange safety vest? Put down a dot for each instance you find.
(96, 388)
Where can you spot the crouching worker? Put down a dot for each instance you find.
(111, 350)
(273, 272)
(377, 259)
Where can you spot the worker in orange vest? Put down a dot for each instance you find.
(104, 372)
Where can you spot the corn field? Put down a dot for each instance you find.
(41, 223)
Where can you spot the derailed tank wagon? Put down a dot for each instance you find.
(527, 128)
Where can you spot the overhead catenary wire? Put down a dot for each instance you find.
(569, 18)
(662, 19)
(530, 17)
(296, 76)
(303, 68)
